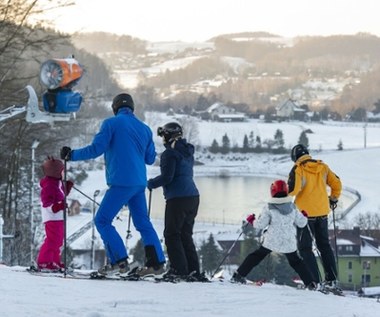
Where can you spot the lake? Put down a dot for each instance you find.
(228, 200)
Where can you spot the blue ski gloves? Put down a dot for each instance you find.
(251, 218)
(333, 202)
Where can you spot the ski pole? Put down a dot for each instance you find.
(229, 250)
(335, 241)
(150, 202)
(129, 235)
(65, 219)
(93, 200)
(88, 197)
(315, 247)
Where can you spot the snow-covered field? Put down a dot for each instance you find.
(25, 295)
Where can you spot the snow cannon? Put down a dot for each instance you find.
(59, 76)
(60, 73)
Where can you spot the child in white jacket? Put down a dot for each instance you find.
(280, 218)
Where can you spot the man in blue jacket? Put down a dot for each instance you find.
(127, 145)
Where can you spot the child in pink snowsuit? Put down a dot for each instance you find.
(53, 207)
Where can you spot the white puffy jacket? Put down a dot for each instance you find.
(279, 220)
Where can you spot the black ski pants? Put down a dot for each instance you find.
(180, 214)
(319, 230)
(254, 258)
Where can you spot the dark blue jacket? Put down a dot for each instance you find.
(176, 171)
(127, 145)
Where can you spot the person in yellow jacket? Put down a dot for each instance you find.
(308, 182)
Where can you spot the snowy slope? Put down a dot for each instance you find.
(24, 295)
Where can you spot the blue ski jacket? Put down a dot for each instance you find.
(127, 145)
(176, 165)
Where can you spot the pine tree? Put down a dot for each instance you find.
(279, 139)
(303, 139)
(138, 252)
(245, 144)
(226, 144)
(210, 255)
(251, 139)
(340, 145)
(214, 148)
(258, 142)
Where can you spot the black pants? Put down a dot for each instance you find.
(319, 228)
(293, 258)
(179, 222)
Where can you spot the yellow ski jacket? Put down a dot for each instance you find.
(308, 181)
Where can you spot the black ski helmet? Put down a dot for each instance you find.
(53, 167)
(170, 131)
(298, 151)
(121, 101)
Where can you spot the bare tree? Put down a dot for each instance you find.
(190, 129)
(21, 46)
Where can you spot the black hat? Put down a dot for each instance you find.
(122, 100)
(170, 131)
(298, 151)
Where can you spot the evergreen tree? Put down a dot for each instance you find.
(214, 148)
(340, 145)
(251, 139)
(303, 139)
(283, 272)
(258, 142)
(210, 255)
(226, 144)
(279, 139)
(245, 148)
(138, 252)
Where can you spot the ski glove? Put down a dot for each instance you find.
(66, 153)
(333, 202)
(304, 213)
(149, 184)
(69, 185)
(58, 206)
(251, 218)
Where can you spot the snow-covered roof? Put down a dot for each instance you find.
(368, 250)
(231, 115)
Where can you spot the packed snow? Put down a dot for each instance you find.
(26, 295)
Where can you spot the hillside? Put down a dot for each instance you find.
(256, 70)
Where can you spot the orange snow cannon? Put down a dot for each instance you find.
(60, 73)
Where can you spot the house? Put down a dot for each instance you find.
(222, 113)
(74, 208)
(290, 110)
(358, 257)
(373, 117)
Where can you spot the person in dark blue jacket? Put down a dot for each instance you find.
(182, 201)
(127, 145)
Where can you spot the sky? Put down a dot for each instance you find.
(199, 20)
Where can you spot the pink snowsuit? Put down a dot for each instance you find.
(52, 192)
